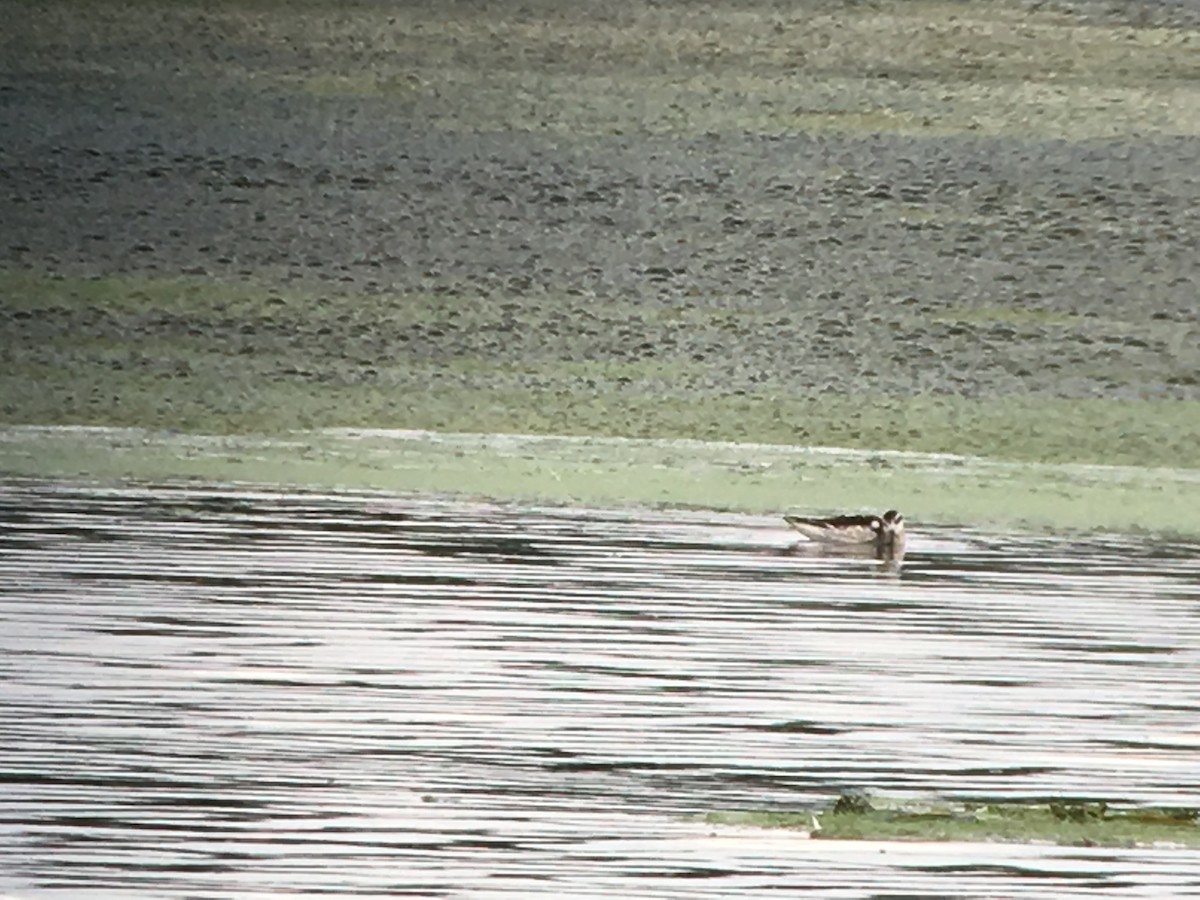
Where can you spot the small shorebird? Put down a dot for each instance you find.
(885, 532)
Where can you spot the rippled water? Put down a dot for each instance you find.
(215, 692)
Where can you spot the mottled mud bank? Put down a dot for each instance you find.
(931, 227)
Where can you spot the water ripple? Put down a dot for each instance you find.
(215, 692)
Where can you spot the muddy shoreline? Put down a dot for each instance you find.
(857, 226)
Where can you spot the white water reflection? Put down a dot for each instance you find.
(214, 692)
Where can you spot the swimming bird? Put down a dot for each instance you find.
(885, 532)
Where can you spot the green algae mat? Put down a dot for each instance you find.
(1087, 824)
(600, 471)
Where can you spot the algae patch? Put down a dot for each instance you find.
(756, 478)
(1067, 822)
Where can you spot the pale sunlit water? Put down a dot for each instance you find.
(212, 692)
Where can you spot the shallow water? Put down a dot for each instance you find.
(216, 692)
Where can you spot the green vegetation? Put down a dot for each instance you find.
(1061, 822)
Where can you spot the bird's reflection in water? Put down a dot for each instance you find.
(890, 559)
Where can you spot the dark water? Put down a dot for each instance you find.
(212, 692)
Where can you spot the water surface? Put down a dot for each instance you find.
(212, 692)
